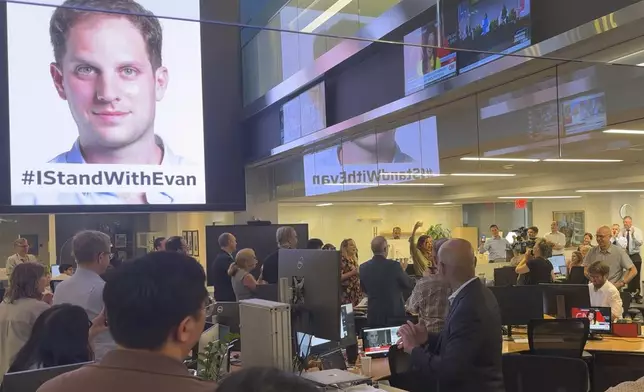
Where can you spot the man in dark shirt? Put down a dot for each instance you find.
(286, 238)
(536, 267)
(384, 281)
(218, 269)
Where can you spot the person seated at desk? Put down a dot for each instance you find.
(466, 355)
(602, 292)
(66, 270)
(429, 298)
(535, 266)
(156, 307)
(384, 281)
(243, 282)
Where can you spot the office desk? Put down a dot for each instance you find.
(609, 344)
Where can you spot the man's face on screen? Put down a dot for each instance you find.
(108, 80)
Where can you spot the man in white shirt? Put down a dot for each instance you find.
(602, 292)
(617, 238)
(557, 239)
(634, 240)
(92, 251)
(21, 247)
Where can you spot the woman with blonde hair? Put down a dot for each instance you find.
(576, 260)
(421, 251)
(243, 282)
(349, 269)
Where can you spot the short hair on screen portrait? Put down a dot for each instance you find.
(72, 11)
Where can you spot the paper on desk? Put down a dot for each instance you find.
(521, 340)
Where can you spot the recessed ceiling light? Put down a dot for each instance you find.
(583, 160)
(625, 131)
(483, 174)
(610, 191)
(385, 204)
(485, 159)
(443, 203)
(324, 205)
(539, 197)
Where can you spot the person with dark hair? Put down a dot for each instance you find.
(265, 380)
(65, 272)
(537, 268)
(176, 244)
(92, 251)
(217, 269)
(328, 247)
(159, 244)
(61, 336)
(156, 311)
(496, 246)
(108, 67)
(21, 306)
(602, 292)
(421, 251)
(314, 243)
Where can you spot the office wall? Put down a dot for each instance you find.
(504, 215)
(12, 226)
(334, 223)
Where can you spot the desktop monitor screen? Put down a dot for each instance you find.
(598, 317)
(557, 262)
(55, 271)
(559, 299)
(519, 304)
(379, 340)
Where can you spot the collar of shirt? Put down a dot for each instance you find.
(608, 250)
(452, 297)
(74, 155)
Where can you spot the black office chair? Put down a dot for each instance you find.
(558, 337)
(402, 376)
(535, 373)
(505, 276)
(577, 276)
(613, 368)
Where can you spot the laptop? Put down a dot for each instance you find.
(331, 377)
(377, 341)
(333, 360)
(557, 262)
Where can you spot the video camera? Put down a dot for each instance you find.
(522, 241)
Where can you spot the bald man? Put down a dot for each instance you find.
(622, 269)
(466, 355)
(217, 269)
(384, 281)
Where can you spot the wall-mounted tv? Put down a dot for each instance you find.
(493, 26)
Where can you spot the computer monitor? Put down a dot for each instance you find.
(312, 345)
(563, 270)
(227, 313)
(378, 341)
(557, 262)
(559, 299)
(31, 380)
(518, 304)
(55, 270)
(600, 318)
(347, 325)
(314, 278)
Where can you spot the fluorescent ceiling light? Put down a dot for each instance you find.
(483, 174)
(583, 160)
(539, 197)
(625, 131)
(499, 159)
(324, 205)
(385, 204)
(326, 15)
(443, 203)
(610, 191)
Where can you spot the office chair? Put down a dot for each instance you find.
(505, 276)
(576, 276)
(535, 373)
(613, 368)
(558, 337)
(402, 376)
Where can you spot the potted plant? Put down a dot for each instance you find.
(438, 232)
(212, 362)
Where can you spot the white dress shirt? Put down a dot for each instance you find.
(559, 239)
(607, 296)
(619, 240)
(636, 239)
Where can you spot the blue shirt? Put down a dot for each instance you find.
(74, 155)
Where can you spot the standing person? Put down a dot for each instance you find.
(557, 239)
(429, 298)
(21, 247)
(384, 281)
(602, 292)
(496, 246)
(156, 307)
(634, 241)
(349, 273)
(420, 250)
(159, 244)
(537, 268)
(314, 244)
(614, 256)
(466, 355)
(616, 236)
(286, 238)
(176, 244)
(243, 282)
(85, 289)
(22, 304)
(218, 269)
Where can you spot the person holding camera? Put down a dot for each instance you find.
(535, 267)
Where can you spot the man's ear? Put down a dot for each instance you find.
(56, 73)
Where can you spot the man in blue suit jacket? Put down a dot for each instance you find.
(384, 281)
(466, 355)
